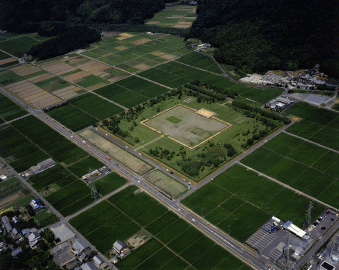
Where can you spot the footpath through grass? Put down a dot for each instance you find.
(302, 165)
(239, 202)
(170, 236)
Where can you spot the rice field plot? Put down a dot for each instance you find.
(85, 166)
(18, 151)
(107, 222)
(262, 95)
(200, 61)
(239, 201)
(175, 74)
(8, 77)
(96, 106)
(308, 168)
(72, 117)
(134, 163)
(18, 46)
(109, 183)
(142, 87)
(318, 124)
(166, 184)
(181, 16)
(9, 110)
(139, 52)
(53, 84)
(120, 95)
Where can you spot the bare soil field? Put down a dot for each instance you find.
(25, 70)
(57, 67)
(135, 164)
(76, 77)
(40, 78)
(168, 185)
(31, 93)
(67, 92)
(7, 60)
(140, 41)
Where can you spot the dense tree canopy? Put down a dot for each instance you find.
(257, 35)
(19, 15)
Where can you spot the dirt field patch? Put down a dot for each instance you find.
(183, 25)
(157, 53)
(135, 164)
(295, 118)
(142, 66)
(9, 199)
(7, 60)
(124, 36)
(31, 93)
(152, 22)
(121, 48)
(140, 41)
(67, 92)
(56, 67)
(168, 185)
(138, 239)
(40, 78)
(167, 56)
(76, 77)
(25, 70)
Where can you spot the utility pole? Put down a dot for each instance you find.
(307, 220)
(94, 192)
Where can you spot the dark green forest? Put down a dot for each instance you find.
(257, 35)
(20, 15)
(70, 40)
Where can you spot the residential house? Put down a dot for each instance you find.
(88, 266)
(121, 248)
(34, 238)
(99, 262)
(16, 232)
(7, 224)
(36, 205)
(16, 252)
(79, 248)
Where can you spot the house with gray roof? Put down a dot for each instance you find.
(16, 252)
(121, 248)
(79, 248)
(7, 224)
(34, 238)
(88, 266)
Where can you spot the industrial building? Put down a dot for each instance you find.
(294, 229)
(279, 104)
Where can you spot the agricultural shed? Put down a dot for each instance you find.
(119, 246)
(294, 229)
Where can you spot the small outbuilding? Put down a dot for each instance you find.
(88, 266)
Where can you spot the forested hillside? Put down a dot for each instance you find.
(19, 15)
(258, 35)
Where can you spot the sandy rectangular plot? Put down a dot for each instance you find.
(157, 53)
(94, 67)
(34, 95)
(142, 66)
(58, 68)
(25, 70)
(140, 41)
(183, 25)
(124, 36)
(129, 160)
(39, 78)
(175, 17)
(167, 56)
(152, 22)
(67, 92)
(121, 48)
(168, 185)
(76, 77)
(7, 60)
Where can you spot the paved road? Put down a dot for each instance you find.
(311, 142)
(224, 240)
